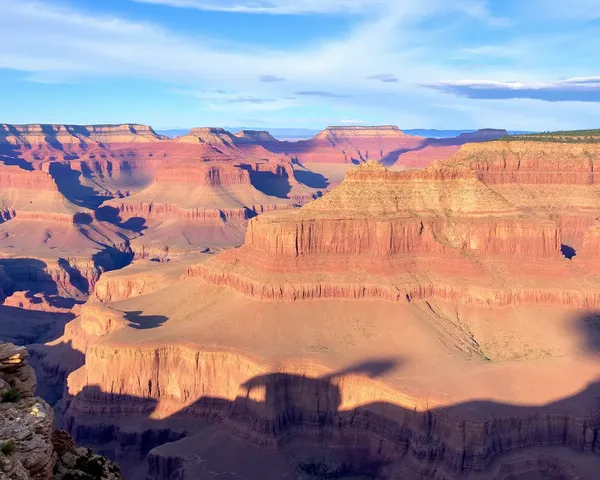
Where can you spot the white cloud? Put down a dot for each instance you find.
(277, 7)
(586, 89)
(219, 100)
(53, 44)
(50, 41)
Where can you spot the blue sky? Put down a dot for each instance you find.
(515, 64)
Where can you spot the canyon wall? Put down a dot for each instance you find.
(437, 268)
(383, 234)
(290, 410)
(32, 134)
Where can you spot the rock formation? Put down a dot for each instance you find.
(415, 324)
(107, 159)
(207, 203)
(529, 174)
(49, 245)
(438, 323)
(35, 134)
(373, 237)
(30, 448)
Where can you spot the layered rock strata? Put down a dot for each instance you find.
(558, 176)
(197, 205)
(394, 436)
(380, 233)
(443, 333)
(76, 134)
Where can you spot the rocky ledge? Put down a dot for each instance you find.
(30, 448)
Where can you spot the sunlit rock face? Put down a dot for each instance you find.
(408, 324)
(417, 324)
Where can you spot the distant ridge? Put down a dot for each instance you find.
(174, 132)
(306, 133)
(434, 133)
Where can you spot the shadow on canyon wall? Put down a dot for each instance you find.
(268, 182)
(143, 322)
(392, 157)
(62, 286)
(69, 185)
(31, 275)
(23, 327)
(11, 155)
(303, 419)
(110, 214)
(311, 179)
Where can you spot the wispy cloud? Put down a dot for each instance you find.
(571, 90)
(384, 77)
(501, 51)
(275, 7)
(237, 102)
(270, 78)
(46, 41)
(321, 93)
(352, 122)
(559, 9)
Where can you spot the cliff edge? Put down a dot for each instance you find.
(30, 448)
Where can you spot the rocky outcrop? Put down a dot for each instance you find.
(69, 277)
(334, 134)
(195, 205)
(531, 163)
(34, 196)
(209, 135)
(351, 145)
(375, 237)
(257, 136)
(560, 176)
(29, 446)
(141, 277)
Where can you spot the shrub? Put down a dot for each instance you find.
(77, 476)
(8, 447)
(11, 395)
(93, 466)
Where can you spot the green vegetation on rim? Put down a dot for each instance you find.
(8, 448)
(567, 136)
(11, 396)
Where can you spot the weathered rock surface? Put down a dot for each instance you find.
(76, 134)
(196, 205)
(416, 324)
(378, 234)
(29, 446)
(50, 245)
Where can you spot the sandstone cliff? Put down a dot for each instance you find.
(33, 195)
(559, 176)
(197, 205)
(290, 410)
(76, 134)
(416, 324)
(259, 136)
(377, 236)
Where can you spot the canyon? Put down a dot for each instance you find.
(363, 304)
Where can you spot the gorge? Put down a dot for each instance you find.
(227, 306)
